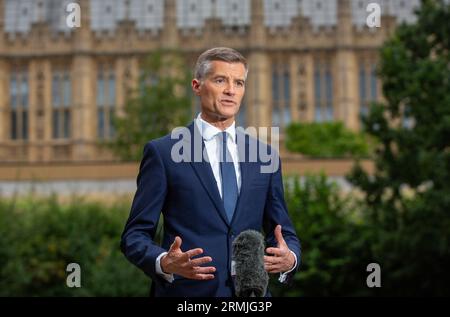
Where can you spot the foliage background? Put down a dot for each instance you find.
(329, 139)
(40, 236)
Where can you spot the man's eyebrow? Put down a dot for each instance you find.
(226, 77)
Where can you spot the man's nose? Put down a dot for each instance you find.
(230, 90)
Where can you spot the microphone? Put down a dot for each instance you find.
(251, 278)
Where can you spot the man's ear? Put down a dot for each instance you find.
(196, 86)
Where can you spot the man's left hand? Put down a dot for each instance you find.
(281, 258)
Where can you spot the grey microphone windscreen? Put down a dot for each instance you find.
(248, 253)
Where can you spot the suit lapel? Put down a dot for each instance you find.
(205, 173)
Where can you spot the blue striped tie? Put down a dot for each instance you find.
(229, 183)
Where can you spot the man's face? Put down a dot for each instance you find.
(222, 90)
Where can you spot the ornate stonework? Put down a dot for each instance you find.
(309, 60)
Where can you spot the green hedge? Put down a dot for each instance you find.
(329, 139)
(39, 237)
(335, 241)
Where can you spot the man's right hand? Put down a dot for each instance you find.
(180, 263)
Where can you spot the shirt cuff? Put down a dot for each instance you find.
(159, 271)
(283, 276)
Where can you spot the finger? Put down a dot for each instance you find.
(200, 261)
(272, 266)
(272, 259)
(204, 270)
(176, 244)
(275, 251)
(279, 236)
(191, 253)
(203, 277)
(272, 269)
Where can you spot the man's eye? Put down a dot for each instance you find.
(240, 84)
(219, 81)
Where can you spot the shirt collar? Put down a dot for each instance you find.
(208, 131)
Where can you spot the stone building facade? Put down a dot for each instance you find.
(310, 60)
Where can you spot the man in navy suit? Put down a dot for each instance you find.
(206, 203)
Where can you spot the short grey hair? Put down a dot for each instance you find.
(225, 54)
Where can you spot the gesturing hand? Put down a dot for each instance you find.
(180, 263)
(282, 260)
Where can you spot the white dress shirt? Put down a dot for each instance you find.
(212, 140)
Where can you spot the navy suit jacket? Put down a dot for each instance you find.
(186, 194)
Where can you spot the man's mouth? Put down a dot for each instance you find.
(228, 102)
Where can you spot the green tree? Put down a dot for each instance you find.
(160, 103)
(408, 196)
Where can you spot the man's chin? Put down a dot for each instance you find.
(228, 114)
(223, 114)
(225, 117)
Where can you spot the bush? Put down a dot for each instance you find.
(330, 139)
(335, 243)
(412, 245)
(339, 237)
(40, 237)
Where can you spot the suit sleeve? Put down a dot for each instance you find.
(137, 241)
(276, 213)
